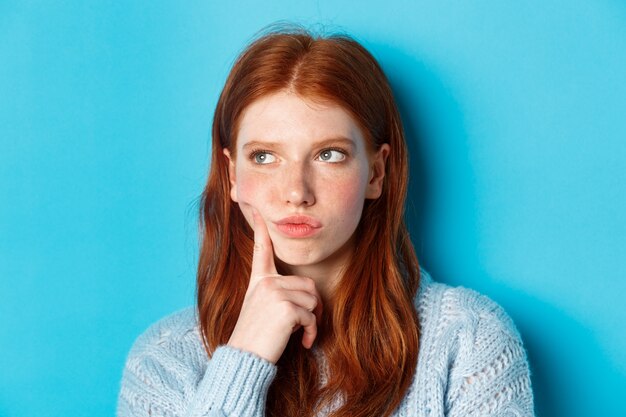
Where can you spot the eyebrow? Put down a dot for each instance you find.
(339, 140)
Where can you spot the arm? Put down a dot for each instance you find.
(161, 379)
(490, 376)
(235, 384)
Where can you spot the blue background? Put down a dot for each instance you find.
(515, 116)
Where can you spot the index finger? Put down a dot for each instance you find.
(262, 254)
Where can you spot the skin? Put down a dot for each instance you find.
(297, 157)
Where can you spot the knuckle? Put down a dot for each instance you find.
(309, 284)
(288, 309)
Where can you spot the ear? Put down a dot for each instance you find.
(231, 176)
(377, 172)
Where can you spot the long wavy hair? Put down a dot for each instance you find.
(369, 337)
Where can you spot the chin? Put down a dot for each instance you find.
(296, 258)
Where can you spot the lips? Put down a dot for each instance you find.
(298, 226)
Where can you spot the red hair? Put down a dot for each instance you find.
(369, 336)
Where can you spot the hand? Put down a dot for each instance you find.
(274, 306)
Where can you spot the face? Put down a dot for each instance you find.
(306, 169)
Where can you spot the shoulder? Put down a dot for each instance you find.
(176, 329)
(473, 341)
(461, 310)
(176, 335)
(164, 364)
(168, 373)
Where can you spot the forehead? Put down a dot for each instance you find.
(285, 117)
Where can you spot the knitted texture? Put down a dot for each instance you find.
(471, 362)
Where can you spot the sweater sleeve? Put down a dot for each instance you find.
(490, 376)
(163, 377)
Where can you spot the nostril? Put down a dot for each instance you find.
(296, 186)
(300, 195)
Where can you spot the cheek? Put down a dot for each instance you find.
(252, 188)
(347, 198)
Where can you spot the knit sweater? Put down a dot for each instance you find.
(471, 362)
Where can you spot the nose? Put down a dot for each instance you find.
(298, 185)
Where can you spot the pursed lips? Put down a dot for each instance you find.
(298, 226)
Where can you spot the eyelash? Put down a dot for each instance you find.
(340, 150)
(254, 152)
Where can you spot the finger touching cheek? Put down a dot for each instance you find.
(252, 192)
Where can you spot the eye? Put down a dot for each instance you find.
(332, 155)
(263, 158)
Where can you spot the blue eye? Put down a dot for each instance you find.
(332, 155)
(263, 158)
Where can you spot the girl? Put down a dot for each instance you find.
(310, 300)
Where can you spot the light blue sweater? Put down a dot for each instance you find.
(471, 362)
